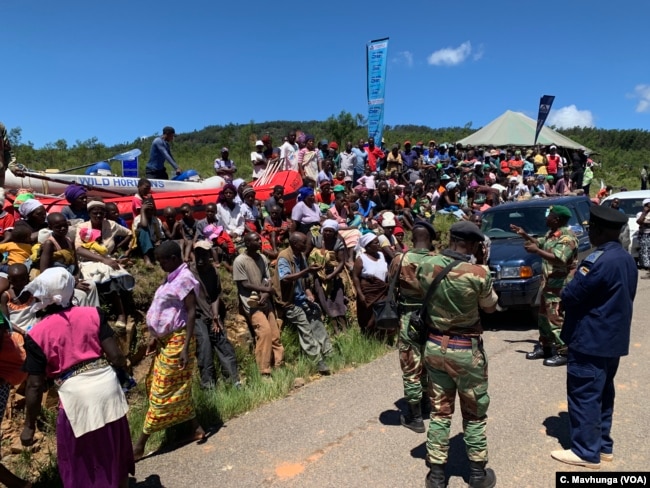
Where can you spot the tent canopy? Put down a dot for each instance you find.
(516, 129)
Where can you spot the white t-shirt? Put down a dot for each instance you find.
(258, 165)
(290, 154)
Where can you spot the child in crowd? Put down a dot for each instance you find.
(113, 213)
(222, 242)
(19, 249)
(367, 180)
(89, 240)
(171, 227)
(188, 226)
(144, 192)
(6, 218)
(147, 232)
(17, 314)
(339, 179)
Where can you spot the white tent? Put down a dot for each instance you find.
(516, 129)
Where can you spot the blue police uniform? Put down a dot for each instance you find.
(598, 317)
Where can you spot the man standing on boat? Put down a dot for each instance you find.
(160, 152)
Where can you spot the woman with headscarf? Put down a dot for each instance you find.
(68, 346)
(332, 283)
(369, 277)
(77, 197)
(95, 242)
(449, 197)
(305, 213)
(309, 159)
(33, 212)
(341, 213)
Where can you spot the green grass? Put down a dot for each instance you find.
(216, 406)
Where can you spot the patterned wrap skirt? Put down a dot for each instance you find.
(170, 388)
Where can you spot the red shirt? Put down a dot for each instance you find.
(6, 222)
(553, 163)
(373, 156)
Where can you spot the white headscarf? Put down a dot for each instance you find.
(28, 206)
(367, 239)
(647, 200)
(52, 286)
(330, 224)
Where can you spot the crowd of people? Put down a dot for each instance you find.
(320, 257)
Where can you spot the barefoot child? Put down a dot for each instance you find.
(170, 320)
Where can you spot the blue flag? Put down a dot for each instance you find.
(376, 57)
(544, 108)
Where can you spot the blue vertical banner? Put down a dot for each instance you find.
(376, 60)
(544, 108)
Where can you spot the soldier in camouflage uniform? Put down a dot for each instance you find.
(454, 356)
(410, 298)
(559, 252)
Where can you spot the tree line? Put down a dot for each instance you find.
(620, 153)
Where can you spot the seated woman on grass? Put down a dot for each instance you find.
(59, 251)
(95, 260)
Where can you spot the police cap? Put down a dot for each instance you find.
(607, 217)
(426, 225)
(467, 231)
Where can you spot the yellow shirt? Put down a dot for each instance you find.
(18, 253)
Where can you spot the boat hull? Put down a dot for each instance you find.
(197, 199)
(116, 184)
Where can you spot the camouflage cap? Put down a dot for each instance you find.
(467, 231)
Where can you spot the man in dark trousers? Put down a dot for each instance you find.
(209, 328)
(598, 316)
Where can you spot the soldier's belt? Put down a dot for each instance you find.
(451, 342)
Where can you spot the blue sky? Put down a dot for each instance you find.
(120, 70)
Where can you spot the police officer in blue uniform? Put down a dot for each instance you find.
(598, 316)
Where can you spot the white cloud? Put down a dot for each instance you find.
(451, 56)
(404, 57)
(568, 117)
(642, 92)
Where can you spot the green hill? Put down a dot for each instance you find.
(621, 153)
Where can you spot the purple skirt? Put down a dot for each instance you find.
(102, 458)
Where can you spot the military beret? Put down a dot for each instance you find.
(467, 231)
(607, 217)
(426, 225)
(561, 211)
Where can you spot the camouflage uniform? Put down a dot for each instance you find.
(454, 355)
(563, 244)
(411, 296)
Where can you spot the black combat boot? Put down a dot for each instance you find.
(556, 360)
(479, 477)
(540, 352)
(413, 420)
(436, 477)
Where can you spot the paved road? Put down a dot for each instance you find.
(343, 431)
